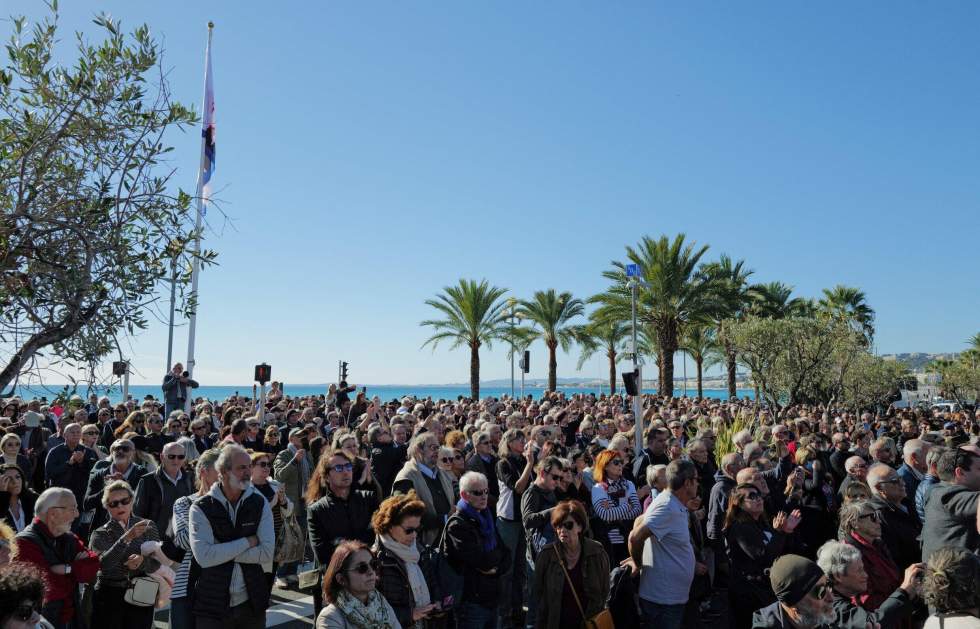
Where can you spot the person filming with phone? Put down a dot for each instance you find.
(175, 385)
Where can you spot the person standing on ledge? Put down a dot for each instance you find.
(175, 386)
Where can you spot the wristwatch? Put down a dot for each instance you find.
(67, 568)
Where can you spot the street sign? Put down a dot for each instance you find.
(632, 270)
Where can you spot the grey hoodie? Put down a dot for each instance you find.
(209, 553)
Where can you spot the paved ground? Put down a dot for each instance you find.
(290, 610)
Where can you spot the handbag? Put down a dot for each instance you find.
(142, 592)
(292, 544)
(602, 620)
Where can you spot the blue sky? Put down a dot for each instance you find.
(371, 153)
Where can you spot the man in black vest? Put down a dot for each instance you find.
(232, 540)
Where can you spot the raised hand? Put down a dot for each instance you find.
(792, 521)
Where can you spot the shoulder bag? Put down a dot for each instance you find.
(602, 620)
(142, 592)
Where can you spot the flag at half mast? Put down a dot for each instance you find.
(207, 133)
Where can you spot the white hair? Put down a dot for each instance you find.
(170, 446)
(50, 498)
(913, 446)
(834, 557)
(472, 480)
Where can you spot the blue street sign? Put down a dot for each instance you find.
(632, 270)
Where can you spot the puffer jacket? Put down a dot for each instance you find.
(394, 582)
(464, 549)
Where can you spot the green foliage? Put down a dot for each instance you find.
(551, 314)
(89, 222)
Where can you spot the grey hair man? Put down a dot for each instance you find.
(157, 492)
(845, 572)
(929, 481)
(433, 486)
(232, 538)
(898, 521)
(857, 469)
(913, 468)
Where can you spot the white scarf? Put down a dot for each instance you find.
(410, 557)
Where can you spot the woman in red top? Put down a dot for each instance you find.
(859, 527)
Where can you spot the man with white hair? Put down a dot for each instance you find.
(48, 544)
(913, 468)
(899, 523)
(433, 486)
(68, 464)
(157, 492)
(857, 469)
(232, 536)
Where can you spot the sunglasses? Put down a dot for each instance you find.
(343, 467)
(368, 566)
(617, 461)
(568, 525)
(556, 477)
(121, 502)
(411, 530)
(25, 612)
(263, 464)
(450, 459)
(479, 492)
(179, 457)
(122, 449)
(820, 591)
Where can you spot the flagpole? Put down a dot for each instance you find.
(195, 260)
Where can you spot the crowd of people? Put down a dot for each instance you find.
(486, 514)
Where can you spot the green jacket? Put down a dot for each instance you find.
(549, 582)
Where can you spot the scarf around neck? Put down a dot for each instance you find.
(373, 615)
(409, 555)
(485, 520)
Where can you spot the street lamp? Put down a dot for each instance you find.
(512, 304)
(633, 276)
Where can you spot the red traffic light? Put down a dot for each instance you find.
(263, 373)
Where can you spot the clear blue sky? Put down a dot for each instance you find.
(370, 153)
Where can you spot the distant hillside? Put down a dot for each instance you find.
(918, 361)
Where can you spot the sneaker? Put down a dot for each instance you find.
(281, 584)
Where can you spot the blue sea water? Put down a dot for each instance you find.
(385, 391)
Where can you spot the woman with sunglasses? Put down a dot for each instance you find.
(572, 572)
(860, 527)
(615, 503)
(90, 439)
(119, 543)
(349, 587)
(275, 494)
(407, 579)
(21, 594)
(16, 498)
(752, 546)
(135, 422)
(271, 441)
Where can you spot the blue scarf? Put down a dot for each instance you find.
(485, 519)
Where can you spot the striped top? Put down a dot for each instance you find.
(616, 501)
(182, 538)
(107, 541)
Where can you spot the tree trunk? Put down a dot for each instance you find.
(730, 358)
(552, 366)
(475, 370)
(660, 372)
(611, 354)
(667, 338)
(699, 362)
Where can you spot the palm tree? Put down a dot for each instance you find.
(974, 342)
(474, 316)
(550, 313)
(735, 297)
(774, 301)
(849, 305)
(675, 292)
(602, 335)
(700, 343)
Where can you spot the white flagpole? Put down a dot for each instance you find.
(196, 266)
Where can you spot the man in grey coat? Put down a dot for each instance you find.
(175, 385)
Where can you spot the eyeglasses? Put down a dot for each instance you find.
(343, 467)
(264, 464)
(26, 611)
(556, 477)
(568, 525)
(411, 530)
(367, 566)
(179, 457)
(820, 591)
(121, 449)
(873, 516)
(478, 492)
(121, 502)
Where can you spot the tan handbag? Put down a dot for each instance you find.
(602, 620)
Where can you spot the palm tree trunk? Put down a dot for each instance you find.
(730, 358)
(700, 386)
(552, 366)
(667, 338)
(475, 371)
(612, 371)
(660, 372)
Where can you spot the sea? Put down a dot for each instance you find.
(384, 391)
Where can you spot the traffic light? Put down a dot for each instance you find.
(119, 368)
(343, 371)
(263, 373)
(631, 382)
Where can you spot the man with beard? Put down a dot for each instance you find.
(232, 538)
(804, 599)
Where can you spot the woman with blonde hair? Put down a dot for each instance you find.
(615, 503)
(135, 422)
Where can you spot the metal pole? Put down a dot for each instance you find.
(522, 384)
(638, 398)
(512, 350)
(126, 384)
(173, 297)
(262, 405)
(684, 356)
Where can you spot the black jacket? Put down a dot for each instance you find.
(331, 520)
(900, 531)
(717, 504)
(96, 483)
(951, 519)
(386, 460)
(394, 583)
(476, 464)
(772, 617)
(148, 504)
(74, 476)
(464, 549)
(889, 614)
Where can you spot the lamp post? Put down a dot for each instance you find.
(512, 304)
(633, 275)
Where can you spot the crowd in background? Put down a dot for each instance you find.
(488, 514)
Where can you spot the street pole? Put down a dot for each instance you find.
(522, 384)
(638, 398)
(126, 384)
(170, 328)
(512, 350)
(262, 405)
(684, 356)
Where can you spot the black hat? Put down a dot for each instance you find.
(792, 577)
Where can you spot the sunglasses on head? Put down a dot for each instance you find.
(343, 467)
(121, 502)
(179, 457)
(367, 566)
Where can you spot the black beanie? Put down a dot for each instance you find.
(792, 577)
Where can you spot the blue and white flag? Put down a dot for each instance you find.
(207, 133)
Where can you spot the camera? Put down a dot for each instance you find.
(186, 374)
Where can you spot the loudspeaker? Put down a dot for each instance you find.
(631, 382)
(119, 368)
(526, 362)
